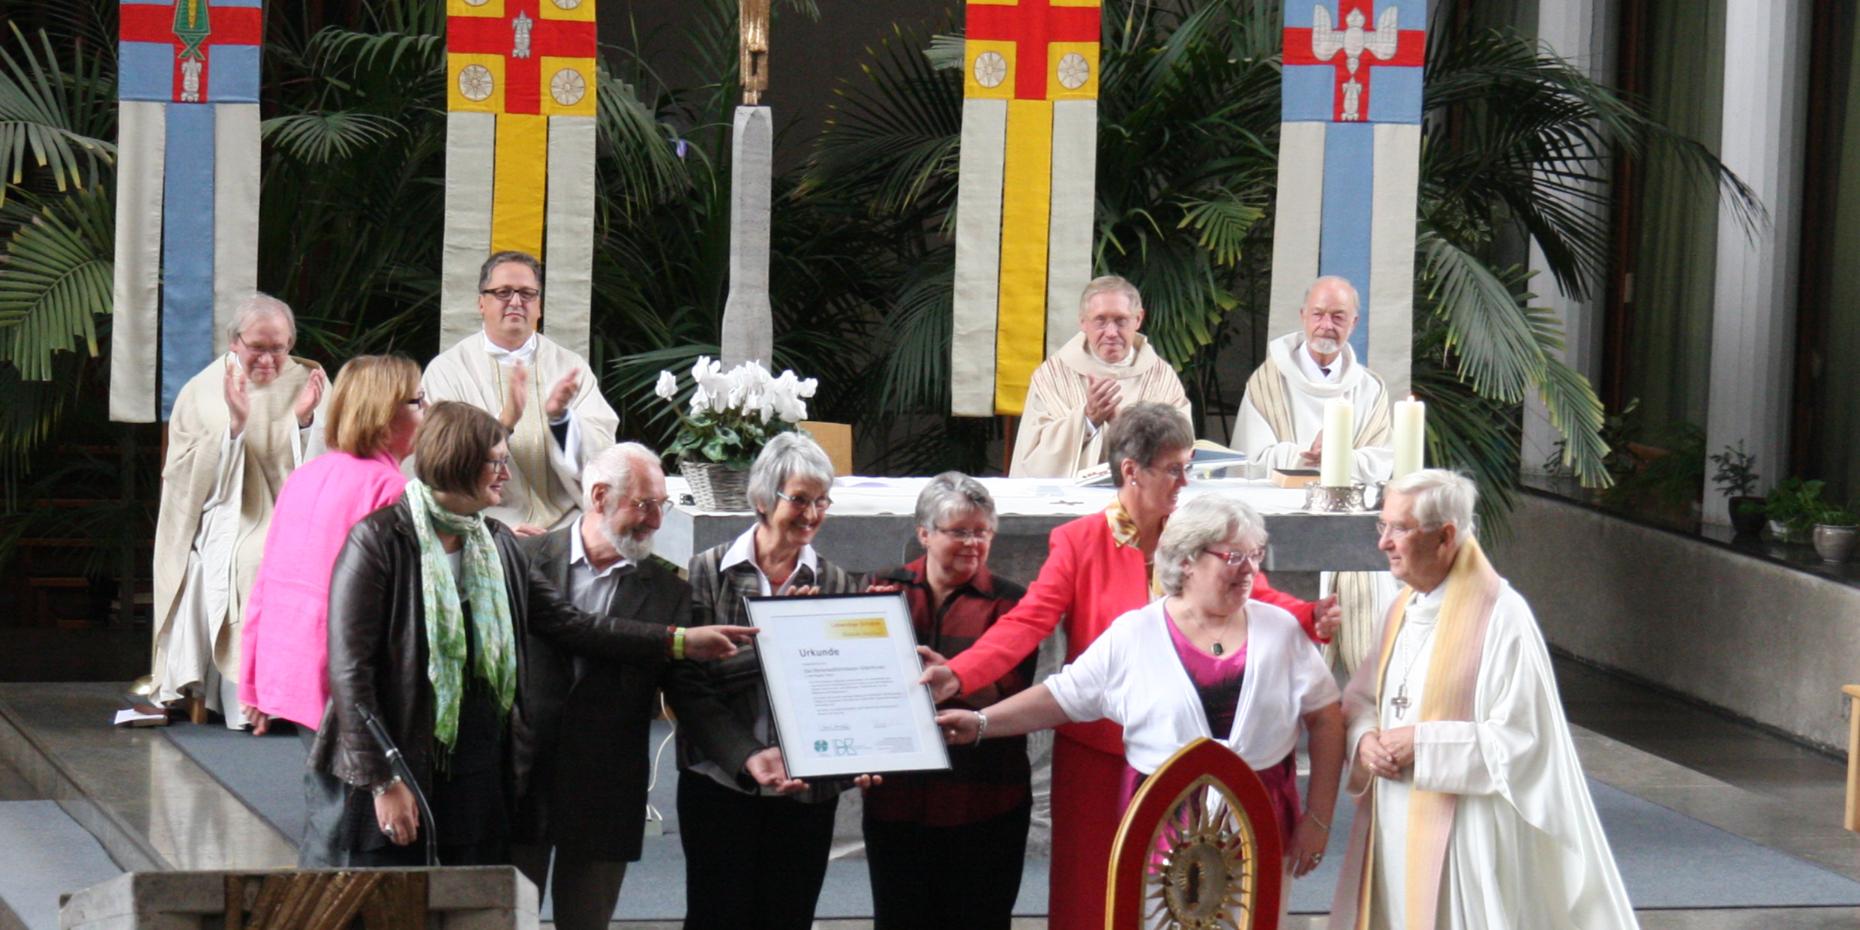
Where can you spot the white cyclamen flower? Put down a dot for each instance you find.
(700, 402)
(667, 388)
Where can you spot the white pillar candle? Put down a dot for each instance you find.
(1335, 464)
(1410, 436)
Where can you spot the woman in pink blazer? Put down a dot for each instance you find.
(376, 406)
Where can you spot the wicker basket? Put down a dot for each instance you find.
(716, 487)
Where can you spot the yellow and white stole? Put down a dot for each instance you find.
(1452, 681)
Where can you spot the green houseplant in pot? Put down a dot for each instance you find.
(729, 417)
(1792, 508)
(1835, 531)
(1734, 474)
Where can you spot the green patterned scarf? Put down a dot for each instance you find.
(445, 622)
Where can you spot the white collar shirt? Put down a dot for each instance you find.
(744, 550)
(525, 353)
(1316, 372)
(591, 589)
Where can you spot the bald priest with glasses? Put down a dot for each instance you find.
(544, 393)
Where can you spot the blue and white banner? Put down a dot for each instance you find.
(187, 193)
(1349, 168)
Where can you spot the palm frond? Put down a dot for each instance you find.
(57, 276)
(321, 138)
(48, 118)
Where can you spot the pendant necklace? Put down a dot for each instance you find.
(1400, 702)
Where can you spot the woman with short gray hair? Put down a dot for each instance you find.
(1205, 661)
(755, 840)
(966, 828)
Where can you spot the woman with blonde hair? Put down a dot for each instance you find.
(376, 406)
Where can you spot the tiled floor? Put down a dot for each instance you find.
(1660, 748)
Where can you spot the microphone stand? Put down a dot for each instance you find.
(402, 769)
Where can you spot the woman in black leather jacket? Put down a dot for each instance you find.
(429, 606)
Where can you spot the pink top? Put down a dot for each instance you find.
(1217, 680)
(285, 669)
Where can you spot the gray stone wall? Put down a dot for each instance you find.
(1764, 641)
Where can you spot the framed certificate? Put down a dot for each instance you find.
(841, 672)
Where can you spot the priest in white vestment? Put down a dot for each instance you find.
(1472, 810)
(545, 394)
(1105, 368)
(1281, 423)
(237, 430)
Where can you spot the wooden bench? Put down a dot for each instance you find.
(1852, 819)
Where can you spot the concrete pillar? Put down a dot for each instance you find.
(1583, 33)
(1753, 326)
(748, 320)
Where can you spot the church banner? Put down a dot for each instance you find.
(1027, 168)
(520, 101)
(1349, 168)
(187, 193)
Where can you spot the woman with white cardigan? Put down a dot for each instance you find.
(1202, 660)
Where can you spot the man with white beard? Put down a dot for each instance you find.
(1281, 423)
(591, 719)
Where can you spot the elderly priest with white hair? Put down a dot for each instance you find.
(1472, 811)
(1281, 423)
(1105, 368)
(542, 391)
(238, 429)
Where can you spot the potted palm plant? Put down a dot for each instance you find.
(1734, 473)
(1835, 530)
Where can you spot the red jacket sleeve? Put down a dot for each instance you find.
(1302, 610)
(1018, 633)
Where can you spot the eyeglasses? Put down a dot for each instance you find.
(1335, 317)
(967, 536)
(1396, 532)
(807, 503)
(1234, 559)
(650, 505)
(509, 295)
(1111, 322)
(499, 465)
(1176, 472)
(279, 351)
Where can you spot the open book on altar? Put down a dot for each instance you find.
(1210, 457)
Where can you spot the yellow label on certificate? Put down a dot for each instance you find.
(857, 628)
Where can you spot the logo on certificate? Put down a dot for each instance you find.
(820, 746)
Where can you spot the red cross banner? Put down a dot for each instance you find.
(1024, 201)
(521, 93)
(186, 195)
(1349, 167)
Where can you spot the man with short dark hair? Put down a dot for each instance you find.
(545, 394)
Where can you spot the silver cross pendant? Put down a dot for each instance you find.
(1400, 701)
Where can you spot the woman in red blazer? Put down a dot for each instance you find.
(1097, 568)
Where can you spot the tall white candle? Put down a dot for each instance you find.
(1335, 464)
(1410, 436)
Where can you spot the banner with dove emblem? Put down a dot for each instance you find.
(187, 193)
(1349, 168)
(1028, 179)
(520, 129)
